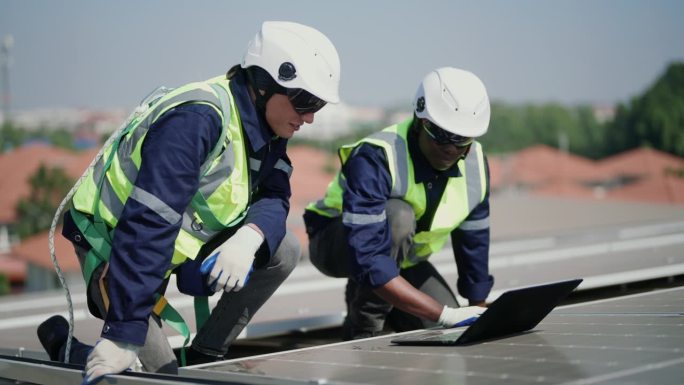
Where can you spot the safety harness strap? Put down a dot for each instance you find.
(99, 236)
(172, 317)
(162, 308)
(97, 242)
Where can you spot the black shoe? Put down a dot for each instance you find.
(346, 330)
(53, 334)
(195, 357)
(349, 332)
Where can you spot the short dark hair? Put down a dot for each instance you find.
(414, 130)
(261, 79)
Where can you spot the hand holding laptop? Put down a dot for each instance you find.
(514, 311)
(460, 316)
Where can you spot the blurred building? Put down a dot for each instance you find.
(340, 119)
(97, 122)
(604, 112)
(39, 269)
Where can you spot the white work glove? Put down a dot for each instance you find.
(459, 316)
(234, 260)
(109, 357)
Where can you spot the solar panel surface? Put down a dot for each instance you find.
(634, 339)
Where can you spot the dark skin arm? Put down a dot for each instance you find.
(401, 294)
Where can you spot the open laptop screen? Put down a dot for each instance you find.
(515, 311)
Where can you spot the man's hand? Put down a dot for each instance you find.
(109, 357)
(234, 259)
(459, 316)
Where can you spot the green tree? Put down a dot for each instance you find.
(11, 137)
(587, 139)
(4, 285)
(61, 138)
(654, 119)
(48, 187)
(514, 127)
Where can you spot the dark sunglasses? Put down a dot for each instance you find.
(443, 137)
(304, 101)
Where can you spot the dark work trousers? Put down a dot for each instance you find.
(232, 312)
(366, 312)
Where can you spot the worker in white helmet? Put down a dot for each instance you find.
(402, 193)
(197, 185)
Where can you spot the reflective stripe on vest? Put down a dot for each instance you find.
(224, 191)
(461, 195)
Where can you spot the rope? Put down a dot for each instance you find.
(51, 236)
(144, 105)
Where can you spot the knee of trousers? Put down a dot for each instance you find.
(329, 265)
(401, 219)
(287, 254)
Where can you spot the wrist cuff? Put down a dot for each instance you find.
(250, 236)
(443, 315)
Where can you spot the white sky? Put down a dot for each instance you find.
(100, 54)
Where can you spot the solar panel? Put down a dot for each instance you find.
(633, 339)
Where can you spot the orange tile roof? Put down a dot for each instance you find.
(663, 189)
(35, 250)
(309, 178)
(12, 267)
(545, 170)
(649, 167)
(641, 161)
(17, 167)
(495, 171)
(309, 182)
(541, 163)
(568, 189)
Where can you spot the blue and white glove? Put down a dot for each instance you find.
(459, 316)
(109, 357)
(232, 261)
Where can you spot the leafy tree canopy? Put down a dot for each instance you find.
(48, 188)
(655, 118)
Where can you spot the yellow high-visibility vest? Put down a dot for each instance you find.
(224, 190)
(461, 194)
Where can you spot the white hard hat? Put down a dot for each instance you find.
(296, 56)
(455, 100)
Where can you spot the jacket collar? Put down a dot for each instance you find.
(253, 124)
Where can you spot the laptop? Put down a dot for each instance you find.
(515, 311)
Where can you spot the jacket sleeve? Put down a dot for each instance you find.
(271, 205)
(470, 242)
(175, 147)
(368, 186)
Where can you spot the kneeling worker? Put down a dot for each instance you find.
(401, 194)
(202, 174)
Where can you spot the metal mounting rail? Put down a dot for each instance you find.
(35, 371)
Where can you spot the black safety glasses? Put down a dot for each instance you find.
(443, 137)
(303, 101)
